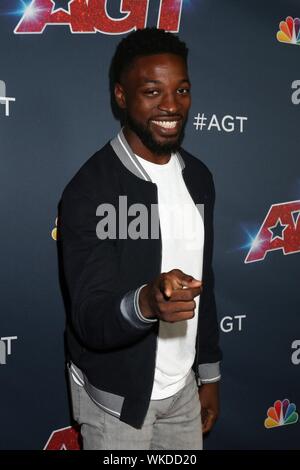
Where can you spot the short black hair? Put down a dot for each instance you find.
(143, 42)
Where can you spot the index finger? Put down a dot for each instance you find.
(187, 293)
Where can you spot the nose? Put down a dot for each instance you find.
(169, 103)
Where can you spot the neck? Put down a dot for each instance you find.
(141, 150)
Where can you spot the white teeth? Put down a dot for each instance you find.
(166, 124)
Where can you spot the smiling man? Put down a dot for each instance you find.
(142, 330)
(154, 127)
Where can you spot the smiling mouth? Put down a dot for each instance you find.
(166, 124)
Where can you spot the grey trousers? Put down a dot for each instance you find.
(173, 423)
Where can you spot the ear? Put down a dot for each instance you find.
(120, 96)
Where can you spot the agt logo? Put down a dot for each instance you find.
(289, 31)
(64, 439)
(5, 348)
(281, 414)
(5, 100)
(91, 16)
(295, 358)
(228, 324)
(279, 231)
(296, 94)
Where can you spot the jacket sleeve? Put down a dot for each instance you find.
(102, 315)
(209, 353)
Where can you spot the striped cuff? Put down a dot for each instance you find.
(131, 311)
(209, 373)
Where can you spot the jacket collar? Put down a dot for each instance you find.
(128, 158)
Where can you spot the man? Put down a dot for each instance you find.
(142, 333)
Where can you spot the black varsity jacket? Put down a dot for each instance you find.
(112, 348)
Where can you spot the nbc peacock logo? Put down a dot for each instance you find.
(54, 231)
(289, 31)
(282, 413)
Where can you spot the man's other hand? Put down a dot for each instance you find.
(209, 399)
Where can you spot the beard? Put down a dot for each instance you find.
(145, 135)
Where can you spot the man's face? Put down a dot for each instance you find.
(155, 94)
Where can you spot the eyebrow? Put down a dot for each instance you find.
(147, 80)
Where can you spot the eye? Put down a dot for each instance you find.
(183, 91)
(151, 92)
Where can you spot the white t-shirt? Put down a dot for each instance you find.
(182, 232)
